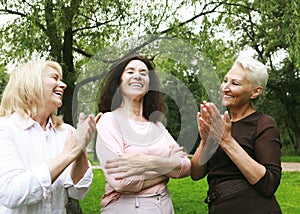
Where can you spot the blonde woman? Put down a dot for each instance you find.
(42, 159)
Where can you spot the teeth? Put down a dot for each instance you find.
(137, 84)
(58, 93)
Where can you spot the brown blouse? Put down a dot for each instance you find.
(259, 137)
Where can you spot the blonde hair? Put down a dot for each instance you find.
(24, 89)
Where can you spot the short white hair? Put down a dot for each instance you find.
(257, 71)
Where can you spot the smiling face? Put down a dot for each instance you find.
(53, 89)
(135, 80)
(237, 90)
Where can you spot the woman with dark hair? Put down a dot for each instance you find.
(136, 152)
(152, 101)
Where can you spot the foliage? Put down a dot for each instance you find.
(3, 79)
(89, 36)
(271, 30)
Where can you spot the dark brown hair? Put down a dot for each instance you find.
(111, 97)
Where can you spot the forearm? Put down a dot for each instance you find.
(251, 169)
(169, 167)
(198, 171)
(59, 164)
(79, 167)
(153, 181)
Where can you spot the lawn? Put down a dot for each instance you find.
(188, 195)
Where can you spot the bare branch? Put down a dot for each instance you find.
(82, 52)
(203, 13)
(98, 24)
(12, 12)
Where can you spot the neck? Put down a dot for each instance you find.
(42, 119)
(133, 110)
(239, 114)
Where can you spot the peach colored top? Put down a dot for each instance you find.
(117, 136)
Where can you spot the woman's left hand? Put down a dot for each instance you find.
(220, 125)
(129, 165)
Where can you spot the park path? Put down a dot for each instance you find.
(290, 166)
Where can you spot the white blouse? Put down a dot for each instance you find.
(25, 182)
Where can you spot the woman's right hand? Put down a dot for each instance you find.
(77, 140)
(203, 121)
(85, 129)
(210, 126)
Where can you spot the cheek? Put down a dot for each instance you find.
(222, 86)
(147, 84)
(122, 87)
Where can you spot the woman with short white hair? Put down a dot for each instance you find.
(244, 172)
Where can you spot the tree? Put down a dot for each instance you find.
(3, 79)
(67, 31)
(271, 29)
(73, 31)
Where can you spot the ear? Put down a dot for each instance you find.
(256, 92)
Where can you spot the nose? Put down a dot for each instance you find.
(62, 85)
(137, 76)
(225, 87)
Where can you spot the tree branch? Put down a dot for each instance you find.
(82, 52)
(203, 13)
(12, 12)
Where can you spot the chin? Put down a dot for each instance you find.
(59, 105)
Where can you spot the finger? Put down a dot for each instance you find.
(199, 118)
(111, 165)
(171, 149)
(81, 118)
(227, 117)
(123, 175)
(116, 170)
(92, 122)
(215, 111)
(116, 161)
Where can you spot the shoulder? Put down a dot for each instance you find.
(15, 121)
(105, 118)
(65, 126)
(161, 125)
(266, 122)
(266, 119)
(258, 117)
(105, 122)
(5, 121)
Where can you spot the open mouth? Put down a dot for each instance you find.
(227, 96)
(138, 85)
(59, 93)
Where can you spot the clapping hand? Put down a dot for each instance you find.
(85, 129)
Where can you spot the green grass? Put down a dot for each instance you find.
(290, 159)
(188, 196)
(288, 193)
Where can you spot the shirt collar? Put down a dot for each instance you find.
(27, 122)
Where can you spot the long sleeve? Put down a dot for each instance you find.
(109, 145)
(267, 150)
(20, 183)
(25, 181)
(79, 190)
(185, 168)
